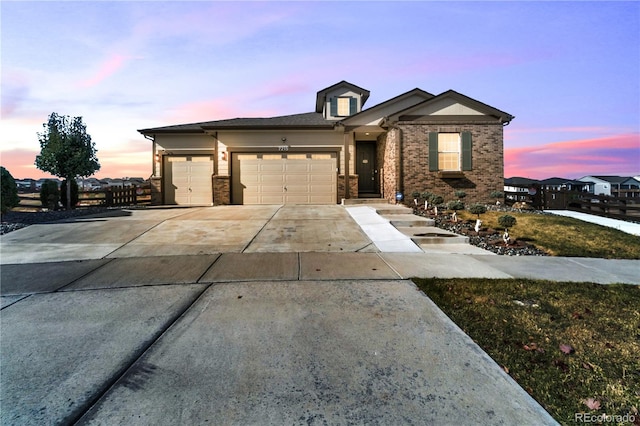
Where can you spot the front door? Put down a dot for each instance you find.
(366, 168)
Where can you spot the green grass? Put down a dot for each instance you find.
(565, 236)
(522, 323)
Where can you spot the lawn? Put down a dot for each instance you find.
(574, 347)
(565, 236)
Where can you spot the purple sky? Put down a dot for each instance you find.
(568, 71)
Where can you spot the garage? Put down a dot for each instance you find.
(187, 180)
(284, 178)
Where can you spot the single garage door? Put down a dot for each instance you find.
(187, 180)
(283, 178)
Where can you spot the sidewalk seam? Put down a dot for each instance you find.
(106, 256)
(261, 229)
(108, 261)
(110, 384)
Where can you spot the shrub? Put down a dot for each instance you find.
(477, 209)
(460, 194)
(455, 205)
(435, 199)
(415, 194)
(9, 196)
(507, 221)
(74, 193)
(425, 195)
(497, 194)
(49, 194)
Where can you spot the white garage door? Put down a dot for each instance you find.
(187, 180)
(284, 178)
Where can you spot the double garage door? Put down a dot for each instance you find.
(283, 178)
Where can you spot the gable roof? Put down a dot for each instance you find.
(481, 107)
(560, 181)
(387, 103)
(322, 94)
(310, 120)
(612, 179)
(519, 181)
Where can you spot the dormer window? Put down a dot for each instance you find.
(343, 106)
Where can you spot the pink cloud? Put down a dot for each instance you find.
(613, 155)
(106, 69)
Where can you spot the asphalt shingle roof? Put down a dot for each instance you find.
(305, 120)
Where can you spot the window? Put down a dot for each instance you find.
(343, 106)
(450, 152)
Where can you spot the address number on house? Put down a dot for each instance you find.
(283, 148)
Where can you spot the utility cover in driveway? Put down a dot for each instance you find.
(284, 178)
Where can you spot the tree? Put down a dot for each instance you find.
(9, 197)
(507, 221)
(66, 150)
(477, 209)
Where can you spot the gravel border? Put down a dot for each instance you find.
(490, 240)
(14, 220)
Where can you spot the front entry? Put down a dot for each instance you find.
(366, 168)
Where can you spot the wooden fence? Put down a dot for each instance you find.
(625, 208)
(115, 196)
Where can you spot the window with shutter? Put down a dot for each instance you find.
(450, 152)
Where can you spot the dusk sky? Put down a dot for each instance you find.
(568, 71)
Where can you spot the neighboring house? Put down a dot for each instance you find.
(41, 181)
(89, 184)
(26, 184)
(413, 142)
(630, 188)
(616, 186)
(558, 184)
(518, 188)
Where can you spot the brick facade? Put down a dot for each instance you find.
(388, 154)
(405, 149)
(221, 190)
(353, 187)
(156, 191)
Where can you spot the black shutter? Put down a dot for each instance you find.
(467, 162)
(334, 107)
(433, 152)
(353, 106)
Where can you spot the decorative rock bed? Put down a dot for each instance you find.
(487, 239)
(14, 220)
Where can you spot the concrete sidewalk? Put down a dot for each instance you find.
(621, 225)
(258, 338)
(136, 351)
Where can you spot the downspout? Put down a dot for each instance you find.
(153, 153)
(400, 174)
(347, 194)
(214, 135)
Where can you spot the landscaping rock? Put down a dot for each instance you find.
(487, 239)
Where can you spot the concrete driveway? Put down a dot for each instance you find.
(187, 231)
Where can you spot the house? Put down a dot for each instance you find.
(415, 141)
(26, 185)
(518, 188)
(558, 184)
(629, 188)
(616, 186)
